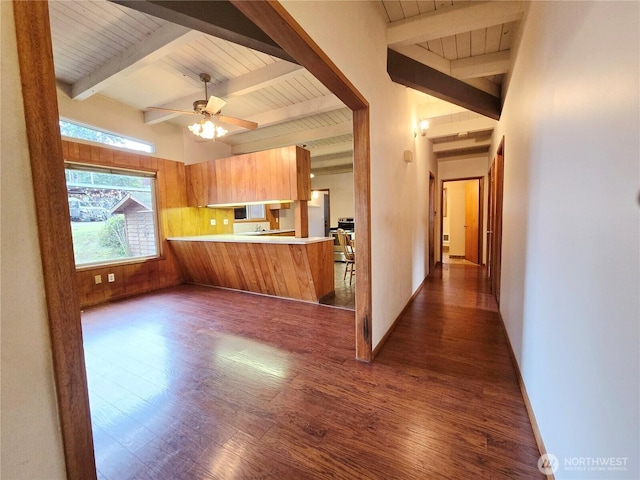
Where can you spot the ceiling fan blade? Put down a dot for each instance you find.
(186, 112)
(214, 105)
(238, 121)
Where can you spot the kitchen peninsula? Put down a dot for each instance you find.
(298, 268)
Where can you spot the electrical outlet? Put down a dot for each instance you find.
(97, 279)
(226, 221)
(111, 277)
(212, 222)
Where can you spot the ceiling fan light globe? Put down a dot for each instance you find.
(195, 128)
(220, 132)
(208, 130)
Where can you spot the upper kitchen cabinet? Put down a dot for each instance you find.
(268, 176)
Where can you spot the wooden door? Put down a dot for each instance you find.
(432, 221)
(496, 175)
(472, 221)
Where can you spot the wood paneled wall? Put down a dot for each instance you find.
(175, 219)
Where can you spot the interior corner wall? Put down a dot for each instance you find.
(30, 431)
(341, 197)
(115, 117)
(354, 36)
(571, 230)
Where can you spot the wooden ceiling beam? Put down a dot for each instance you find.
(334, 162)
(480, 124)
(459, 18)
(219, 18)
(157, 45)
(315, 106)
(294, 138)
(463, 143)
(481, 65)
(331, 149)
(413, 74)
(424, 56)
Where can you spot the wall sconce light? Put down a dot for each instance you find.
(424, 126)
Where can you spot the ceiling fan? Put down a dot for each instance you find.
(210, 109)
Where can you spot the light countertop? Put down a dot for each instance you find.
(268, 232)
(265, 238)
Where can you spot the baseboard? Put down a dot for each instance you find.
(395, 322)
(525, 396)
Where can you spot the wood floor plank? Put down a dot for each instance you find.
(192, 382)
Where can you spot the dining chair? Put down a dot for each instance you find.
(349, 254)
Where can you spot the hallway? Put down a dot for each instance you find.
(194, 383)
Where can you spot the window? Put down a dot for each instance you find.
(113, 214)
(83, 132)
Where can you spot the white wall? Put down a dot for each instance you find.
(353, 35)
(30, 432)
(571, 242)
(113, 116)
(341, 198)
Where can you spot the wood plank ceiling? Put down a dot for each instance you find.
(139, 60)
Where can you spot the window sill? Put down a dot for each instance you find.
(120, 263)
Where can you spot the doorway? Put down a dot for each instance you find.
(461, 222)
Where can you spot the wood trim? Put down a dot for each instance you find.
(301, 218)
(279, 25)
(54, 231)
(431, 223)
(362, 189)
(480, 213)
(400, 315)
(282, 27)
(525, 395)
(410, 73)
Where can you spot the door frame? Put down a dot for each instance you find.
(35, 60)
(328, 209)
(431, 227)
(494, 225)
(480, 212)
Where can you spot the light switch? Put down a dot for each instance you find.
(97, 279)
(212, 222)
(226, 221)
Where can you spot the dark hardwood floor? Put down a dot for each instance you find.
(199, 383)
